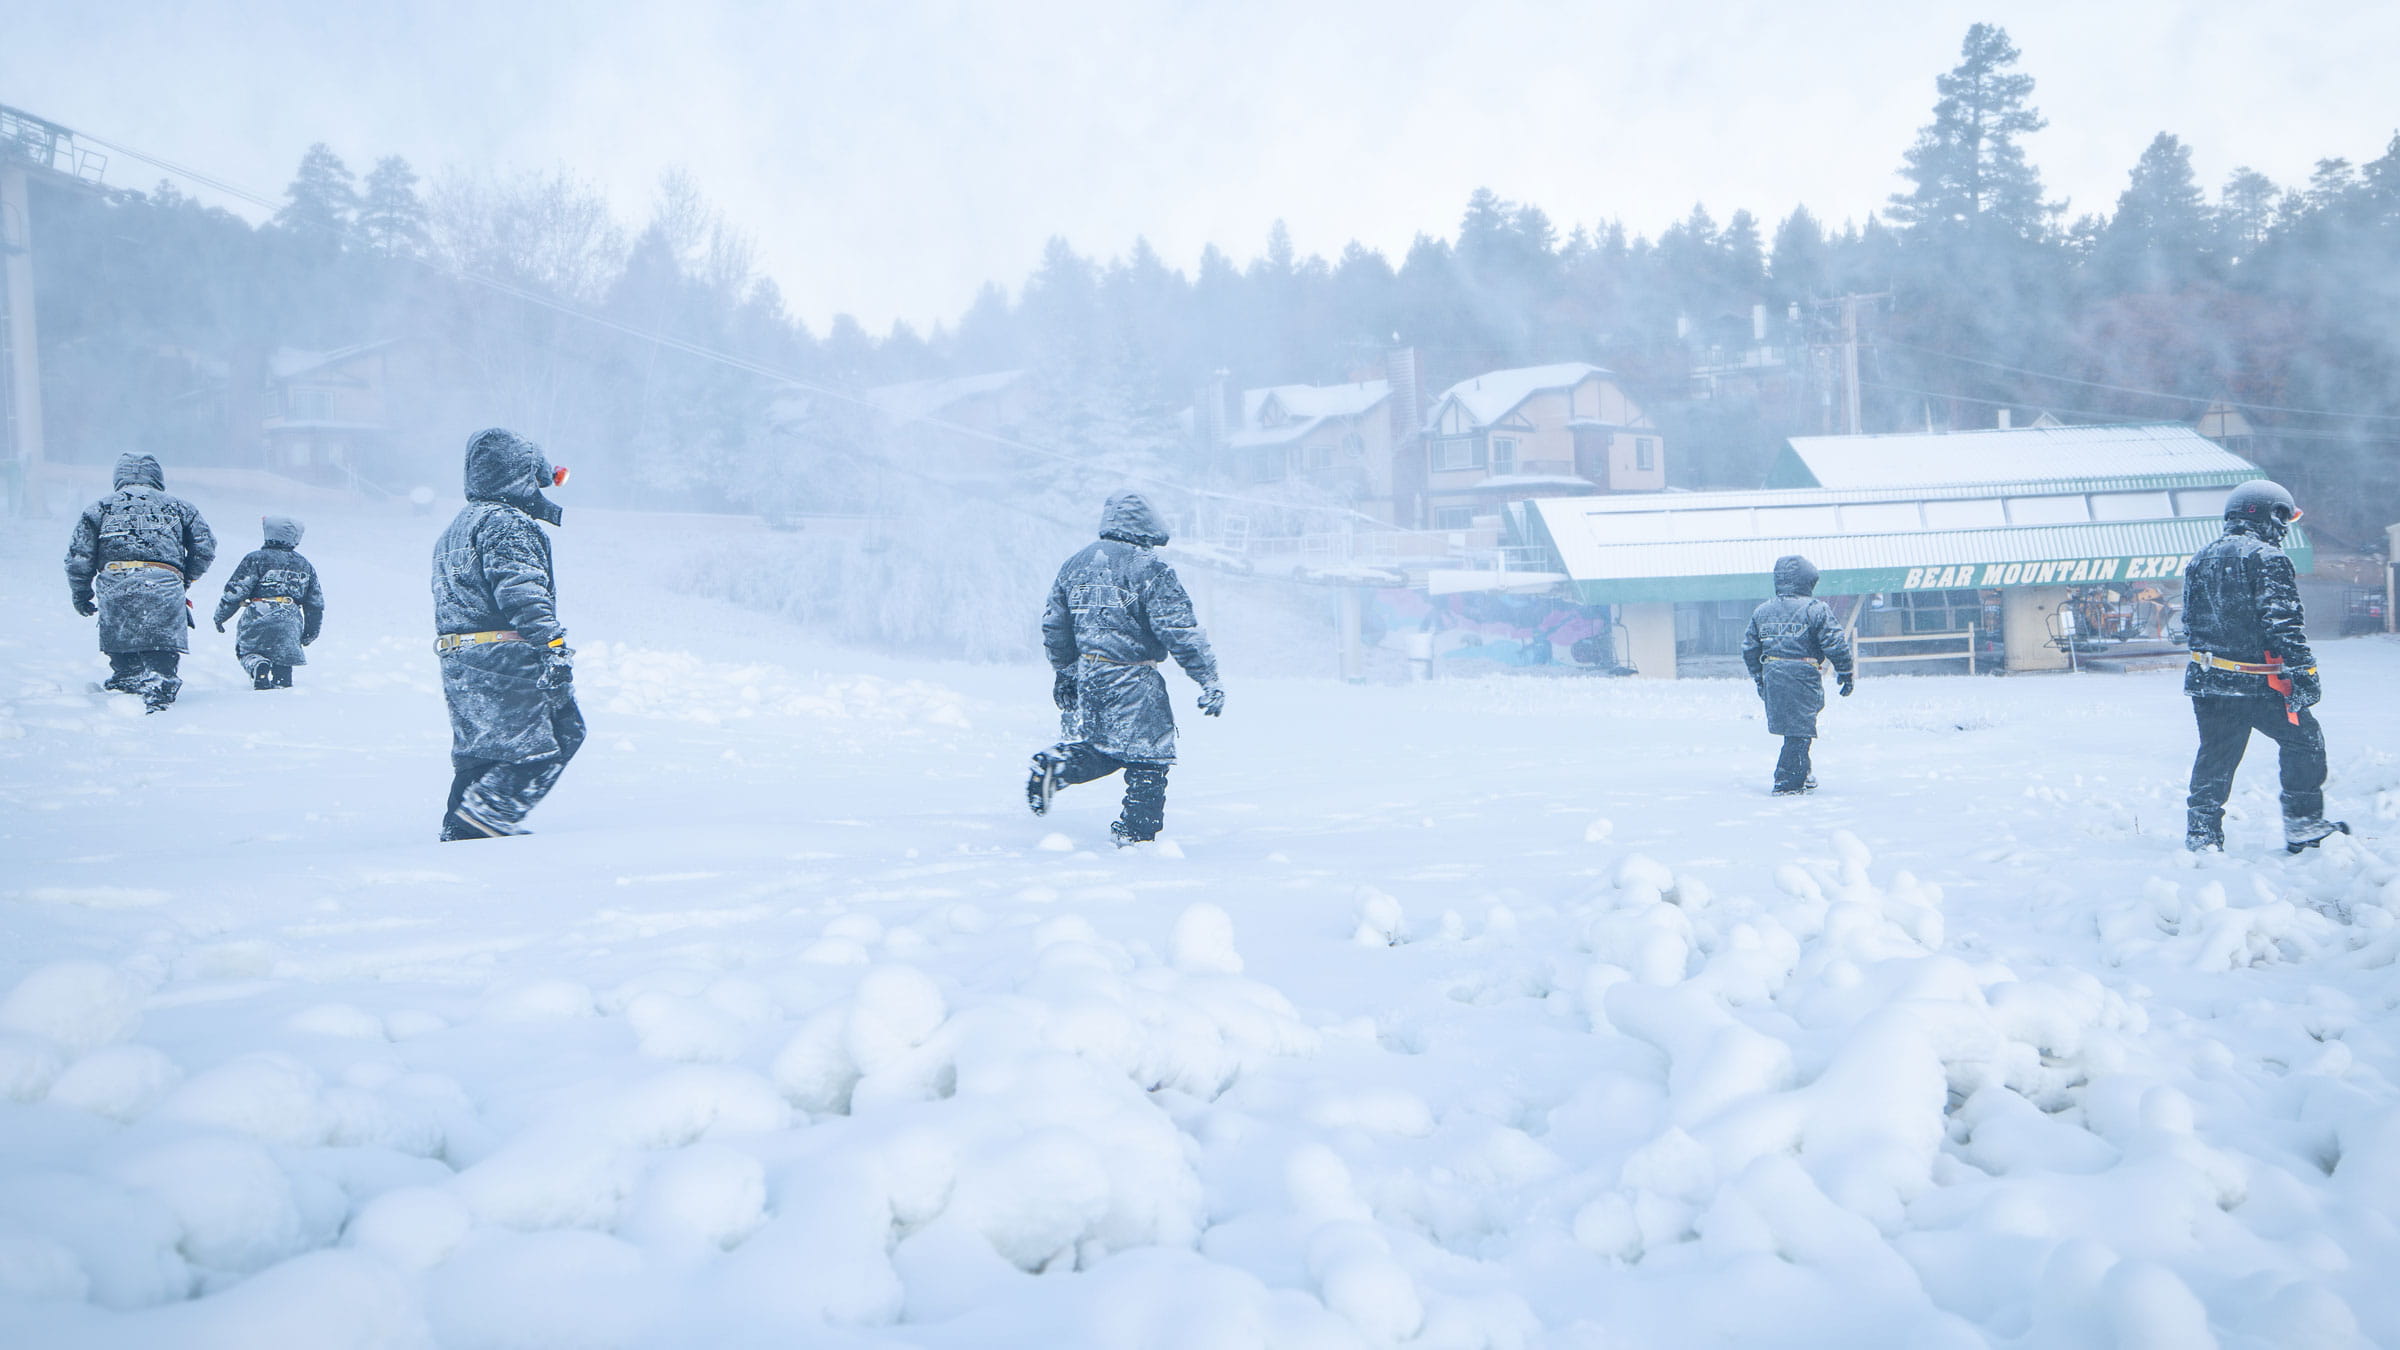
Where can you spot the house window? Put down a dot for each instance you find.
(1320, 456)
(1504, 454)
(1458, 452)
(1453, 517)
(1354, 446)
(1645, 453)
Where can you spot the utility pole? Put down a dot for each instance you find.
(1853, 423)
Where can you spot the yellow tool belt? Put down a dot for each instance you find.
(1112, 661)
(2216, 662)
(1808, 659)
(450, 642)
(270, 600)
(129, 566)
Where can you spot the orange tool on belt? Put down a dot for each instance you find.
(2281, 684)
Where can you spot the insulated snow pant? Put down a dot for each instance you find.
(144, 672)
(1792, 767)
(1145, 807)
(2225, 727)
(507, 791)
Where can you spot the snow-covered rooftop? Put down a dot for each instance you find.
(288, 362)
(1302, 408)
(930, 398)
(2018, 455)
(1494, 394)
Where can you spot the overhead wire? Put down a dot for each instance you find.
(700, 351)
(2201, 401)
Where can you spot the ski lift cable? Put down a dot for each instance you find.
(728, 359)
(2119, 419)
(2145, 393)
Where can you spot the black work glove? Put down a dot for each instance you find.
(2307, 691)
(85, 607)
(1759, 682)
(220, 625)
(1062, 689)
(558, 669)
(1212, 701)
(1849, 680)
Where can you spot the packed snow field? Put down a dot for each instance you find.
(1504, 1012)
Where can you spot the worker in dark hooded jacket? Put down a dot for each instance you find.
(2251, 669)
(1789, 638)
(275, 590)
(1116, 611)
(134, 554)
(506, 668)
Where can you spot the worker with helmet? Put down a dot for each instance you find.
(2251, 669)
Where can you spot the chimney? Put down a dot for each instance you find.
(1758, 323)
(1407, 401)
(1683, 327)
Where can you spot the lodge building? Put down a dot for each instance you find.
(2036, 548)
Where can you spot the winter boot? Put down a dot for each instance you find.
(2301, 835)
(2203, 831)
(283, 677)
(1124, 836)
(1042, 785)
(158, 691)
(262, 681)
(471, 820)
(262, 673)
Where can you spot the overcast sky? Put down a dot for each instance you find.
(891, 156)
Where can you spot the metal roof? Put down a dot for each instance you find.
(2017, 455)
(1729, 553)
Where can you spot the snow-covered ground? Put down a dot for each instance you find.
(1502, 1012)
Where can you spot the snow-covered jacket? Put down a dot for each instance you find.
(1116, 611)
(265, 578)
(2241, 601)
(1787, 637)
(492, 572)
(141, 609)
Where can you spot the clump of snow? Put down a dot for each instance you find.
(75, 1005)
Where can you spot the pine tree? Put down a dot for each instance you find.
(2159, 236)
(321, 202)
(1970, 173)
(2245, 211)
(1797, 266)
(391, 217)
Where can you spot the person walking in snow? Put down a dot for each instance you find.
(2251, 669)
(507, 672)
(275, 591)
(1790, 637)
(1116, 611)
(133, 555)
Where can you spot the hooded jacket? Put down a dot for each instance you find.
(1116, 611)
(275, 571)
(492, 572)
(2241, 601)
(1787, 637)
(140, 609)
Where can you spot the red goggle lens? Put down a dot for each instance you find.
(558, 476)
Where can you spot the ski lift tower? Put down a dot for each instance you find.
(30, 150)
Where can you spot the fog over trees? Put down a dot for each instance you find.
(158, 312)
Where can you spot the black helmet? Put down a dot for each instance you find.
(2261, 500)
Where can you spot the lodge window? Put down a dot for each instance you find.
(1504, 454)
(1645, 453)
(1939, 611)
(1320, 456)
(1458, 452)
(1354, 446)
(1453, 517)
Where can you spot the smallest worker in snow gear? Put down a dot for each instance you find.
(1116, 611)
(1788, 638)
(133, 555)
(507, 672)
(275, 591)
(2251, 669)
